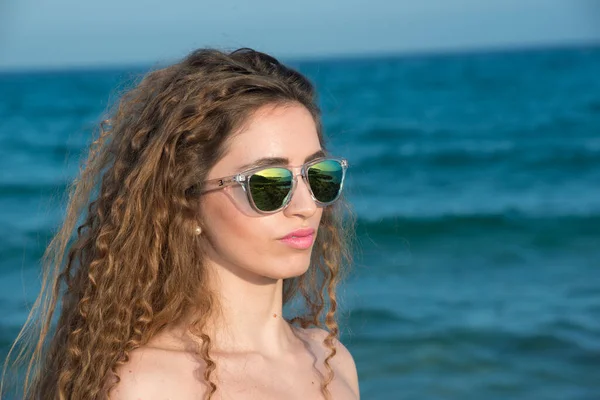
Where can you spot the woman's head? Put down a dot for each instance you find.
(201, 119)
(234, 233)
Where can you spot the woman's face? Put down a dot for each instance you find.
(249, 245)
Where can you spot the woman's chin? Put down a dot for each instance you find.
(291, 270)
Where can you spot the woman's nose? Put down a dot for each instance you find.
(301, 202)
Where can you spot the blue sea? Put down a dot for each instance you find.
(475, 179)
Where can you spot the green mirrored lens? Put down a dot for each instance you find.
(270, 188)
(325, 180)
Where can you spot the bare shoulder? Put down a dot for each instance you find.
(155, 374)
(343, 362)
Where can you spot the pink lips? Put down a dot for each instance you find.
(299, 239)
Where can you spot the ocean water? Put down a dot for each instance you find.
(476, 183)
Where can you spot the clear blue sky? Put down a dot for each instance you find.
(66, 33)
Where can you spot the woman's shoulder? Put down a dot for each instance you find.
(318, 335)
(157, 368)
(150, 372)
(342, 363)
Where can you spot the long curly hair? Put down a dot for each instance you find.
(126, 233)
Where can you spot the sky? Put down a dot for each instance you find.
(38, 34)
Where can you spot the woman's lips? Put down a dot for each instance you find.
(299, 242)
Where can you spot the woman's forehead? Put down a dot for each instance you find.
(282, 132)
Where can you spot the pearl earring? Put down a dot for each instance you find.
(198, 230)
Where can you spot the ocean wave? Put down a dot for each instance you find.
(378, 316)
(546, 228)
(28, 189)
(520, 156)
(501, 340)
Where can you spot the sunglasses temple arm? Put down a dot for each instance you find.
(215, 184)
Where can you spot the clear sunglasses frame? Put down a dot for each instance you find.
(243, 179)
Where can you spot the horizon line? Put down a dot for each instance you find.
(307, 58)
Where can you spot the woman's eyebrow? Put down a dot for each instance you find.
(272, 161)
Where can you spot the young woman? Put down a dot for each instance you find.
(207, 203)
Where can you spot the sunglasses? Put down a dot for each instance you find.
(270, 189)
